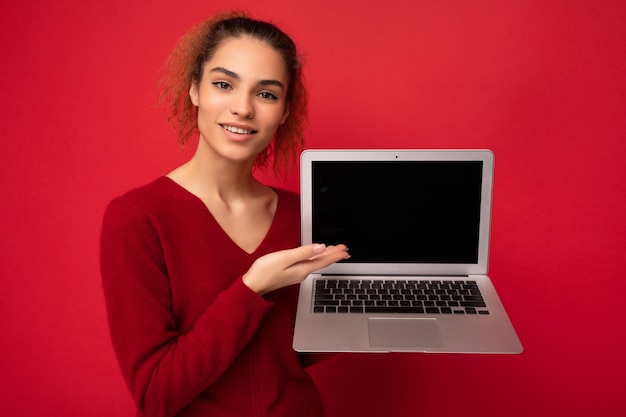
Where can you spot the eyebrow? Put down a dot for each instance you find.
(236, 76)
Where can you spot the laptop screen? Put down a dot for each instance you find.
(399, 211)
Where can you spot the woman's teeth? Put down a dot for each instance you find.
(237, 130)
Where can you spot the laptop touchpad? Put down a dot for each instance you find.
(404, 333)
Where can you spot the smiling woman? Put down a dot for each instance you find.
(241, 100)
(187, 63)
(198, 266)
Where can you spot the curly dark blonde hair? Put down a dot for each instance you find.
(185, 66)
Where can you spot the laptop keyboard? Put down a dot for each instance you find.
(398, 296)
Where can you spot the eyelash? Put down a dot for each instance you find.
(222, 85)
(267, 95)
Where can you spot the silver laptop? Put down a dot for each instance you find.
(417, 225)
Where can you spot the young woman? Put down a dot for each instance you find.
(199, 266)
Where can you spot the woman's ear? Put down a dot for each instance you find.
(193, 94)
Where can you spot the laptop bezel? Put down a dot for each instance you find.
(479, 268)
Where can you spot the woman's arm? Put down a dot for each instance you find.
(166, 369)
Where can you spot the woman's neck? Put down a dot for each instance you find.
(207, 175)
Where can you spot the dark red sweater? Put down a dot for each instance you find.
(190, 337)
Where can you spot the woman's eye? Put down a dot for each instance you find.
(222, 85)
(268, 95)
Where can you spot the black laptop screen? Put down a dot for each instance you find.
(400, 211)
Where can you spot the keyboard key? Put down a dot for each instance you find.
(324, 297)
(326, 303)
(473, 298)
(472, 304)
(410, 310)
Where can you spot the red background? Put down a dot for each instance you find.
(542, 83)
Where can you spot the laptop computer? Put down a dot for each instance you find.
(417, 225)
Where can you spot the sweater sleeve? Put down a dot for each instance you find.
(163, 368)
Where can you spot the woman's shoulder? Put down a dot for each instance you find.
(287, 197)
(159, 204)
(157, 195)
(286, 193)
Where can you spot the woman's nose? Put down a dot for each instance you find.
(242, 106)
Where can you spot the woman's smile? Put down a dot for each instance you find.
(241, 130)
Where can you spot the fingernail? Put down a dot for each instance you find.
(319, 248)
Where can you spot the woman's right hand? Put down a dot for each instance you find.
(291, 266)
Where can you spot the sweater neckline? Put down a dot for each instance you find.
(197, 200)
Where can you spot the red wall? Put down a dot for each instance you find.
(542, 83)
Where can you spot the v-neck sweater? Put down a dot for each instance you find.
(190, 337)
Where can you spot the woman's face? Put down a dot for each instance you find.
(241, 99)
